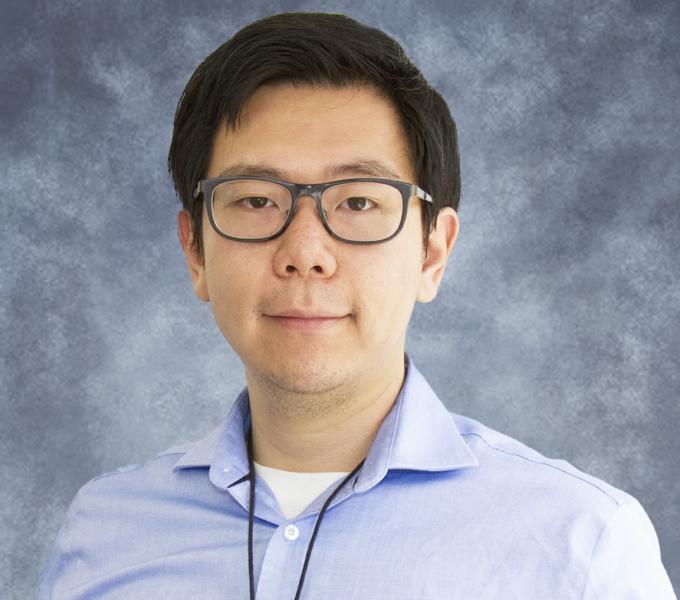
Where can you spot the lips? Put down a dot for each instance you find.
(303, 314)
(308, 320)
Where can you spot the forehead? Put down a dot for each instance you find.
(303, 129)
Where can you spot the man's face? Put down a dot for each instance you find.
(303, 131)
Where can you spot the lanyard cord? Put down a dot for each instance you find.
(251, 475)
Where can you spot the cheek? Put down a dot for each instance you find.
(229, 286)
(387, 289)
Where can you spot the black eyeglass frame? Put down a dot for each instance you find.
(206, 187)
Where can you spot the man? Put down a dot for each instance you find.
(319, 177)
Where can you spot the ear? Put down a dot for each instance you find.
(195, 262)
(439, 246)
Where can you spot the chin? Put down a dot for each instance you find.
(301, 374)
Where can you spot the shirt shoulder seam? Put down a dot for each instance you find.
(597, 543)
(545, 464)
(136, 466)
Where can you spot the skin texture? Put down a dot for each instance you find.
(317, 397)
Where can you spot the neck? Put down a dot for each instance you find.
(325, 430)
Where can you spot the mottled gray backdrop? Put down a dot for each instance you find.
(557, 320)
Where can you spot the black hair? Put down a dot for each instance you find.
(316, 49)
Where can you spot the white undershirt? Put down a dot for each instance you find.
(296, 491)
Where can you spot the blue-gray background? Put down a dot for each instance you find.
(557, 320)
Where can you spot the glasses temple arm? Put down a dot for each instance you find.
(421, 193)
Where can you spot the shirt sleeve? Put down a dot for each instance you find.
(63, 559)
(626, 562)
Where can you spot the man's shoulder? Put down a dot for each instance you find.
(524, 471)
(198, 453)
(123, 516)
(113, 498)
(151, 473)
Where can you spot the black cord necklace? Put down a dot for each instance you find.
(251, 476)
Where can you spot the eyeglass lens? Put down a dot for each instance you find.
(356, 211)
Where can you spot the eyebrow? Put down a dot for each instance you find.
(362, 167)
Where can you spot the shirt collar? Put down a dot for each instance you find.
(419, 433)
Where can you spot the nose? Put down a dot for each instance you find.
(305, 248)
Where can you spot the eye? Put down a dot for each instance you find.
(359, 203)
(257, 201)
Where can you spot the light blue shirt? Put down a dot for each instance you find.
(443, 507)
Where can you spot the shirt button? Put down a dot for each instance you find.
(291, 532)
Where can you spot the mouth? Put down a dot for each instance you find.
(307, 323)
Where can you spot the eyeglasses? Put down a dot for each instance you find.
(364, 210)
